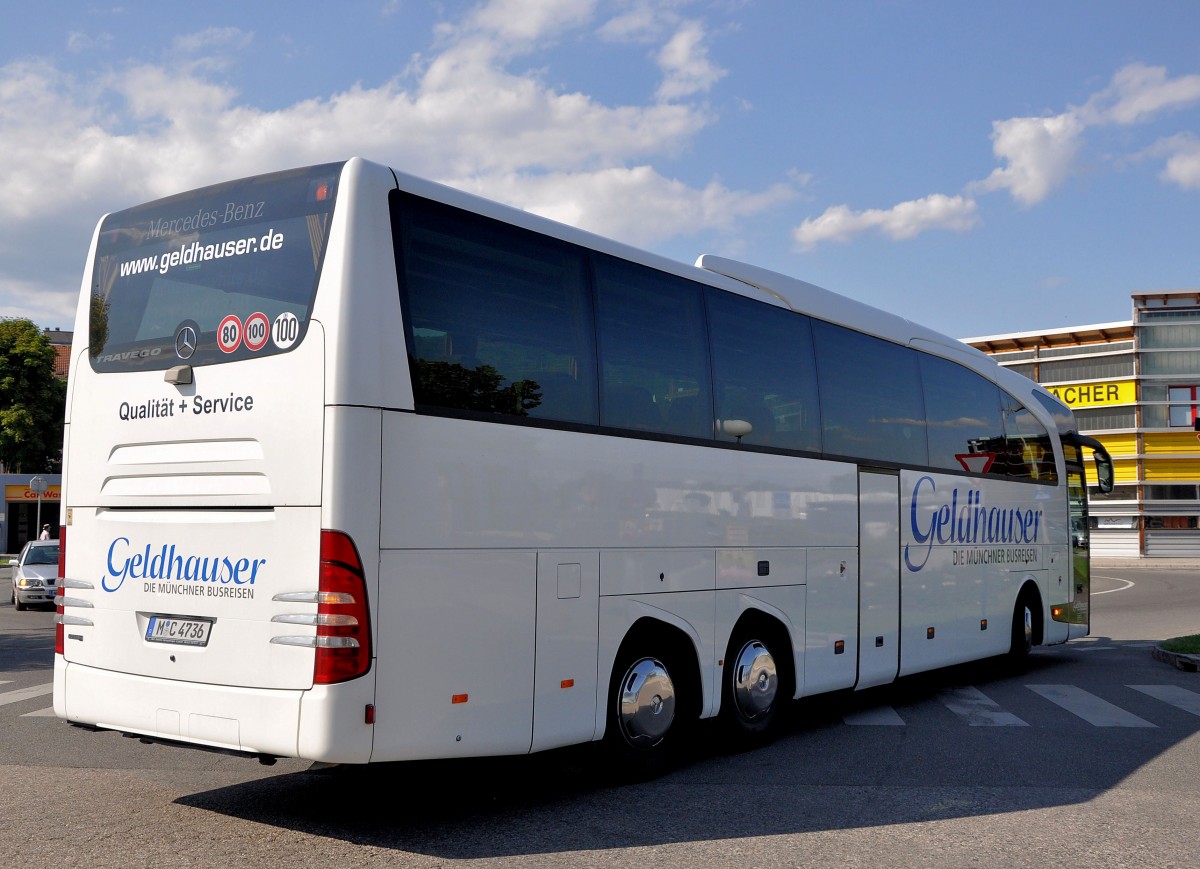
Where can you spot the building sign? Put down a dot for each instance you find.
(24, 493)
(1095, 394)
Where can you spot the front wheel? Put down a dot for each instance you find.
(1022, 632)
(646, 718)
(18, 604)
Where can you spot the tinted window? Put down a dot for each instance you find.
(654, 351)
(499, 318)
(1027, 451)
(764, 372)
(975, 425)
(232, 267)
(871, 404)
(1060, 412)
(964, 415)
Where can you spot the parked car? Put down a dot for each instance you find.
(35, 573)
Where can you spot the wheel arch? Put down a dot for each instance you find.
(774, 628)
(1032, 595)
(659, 633)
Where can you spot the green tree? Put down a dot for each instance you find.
(32, 400)
(450, 384)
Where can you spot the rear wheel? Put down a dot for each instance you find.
(647, 715)
(754, 687)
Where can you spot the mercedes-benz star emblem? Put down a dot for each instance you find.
(185, 342)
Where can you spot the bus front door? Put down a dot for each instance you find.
(879, 578)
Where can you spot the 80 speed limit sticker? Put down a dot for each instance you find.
(229, 334)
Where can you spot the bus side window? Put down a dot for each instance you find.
(653, 350)
(871, 402)
(964, 415)
(499, 318)
(628, 406)
(764, 371)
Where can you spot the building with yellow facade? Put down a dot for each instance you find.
(1134, 386)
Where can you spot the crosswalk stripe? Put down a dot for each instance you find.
(978, 709)
(48, 712)
(1089, 707)
(879, 716)
(25, 693)
(1181, 698)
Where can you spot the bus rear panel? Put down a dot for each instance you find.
(206, 597)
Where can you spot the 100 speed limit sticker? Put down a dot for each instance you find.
(256, 331)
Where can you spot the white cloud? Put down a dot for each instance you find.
(684, 60)
(213, 39)
(903, 221)
(641, 21)
(636, 205)
(157, 130)
(81, 43)
(52, 309)
(1137, 93)
(1182, 165)
(523, 21)
(464, 116)
(1038, 156)
(1040, 153)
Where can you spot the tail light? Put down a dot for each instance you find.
(342, 620)
(59, 633)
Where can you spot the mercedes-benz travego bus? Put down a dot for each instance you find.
(362, 468)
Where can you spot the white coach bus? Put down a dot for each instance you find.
(362, 468)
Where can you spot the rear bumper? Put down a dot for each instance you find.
(246, 720)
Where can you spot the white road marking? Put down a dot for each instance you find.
(26, 693)
(1181, 698)
(1089, 707)
(978, 709)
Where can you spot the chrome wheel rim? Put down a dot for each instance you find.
(755, 680)
(646, 703)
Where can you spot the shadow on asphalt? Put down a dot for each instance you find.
(818, 775)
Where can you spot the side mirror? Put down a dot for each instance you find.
(1104, 472)
(736, 428)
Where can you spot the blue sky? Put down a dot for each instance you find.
(980, 167)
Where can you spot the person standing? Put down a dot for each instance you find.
(45, 535)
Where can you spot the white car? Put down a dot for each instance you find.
(35, 573)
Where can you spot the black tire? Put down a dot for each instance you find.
(17, 602)
(648, 711)
(1022, 631)
(755, 687)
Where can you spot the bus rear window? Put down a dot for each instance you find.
(215, 275)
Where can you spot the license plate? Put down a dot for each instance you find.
(182, 631)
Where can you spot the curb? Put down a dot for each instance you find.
(1180, 661)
